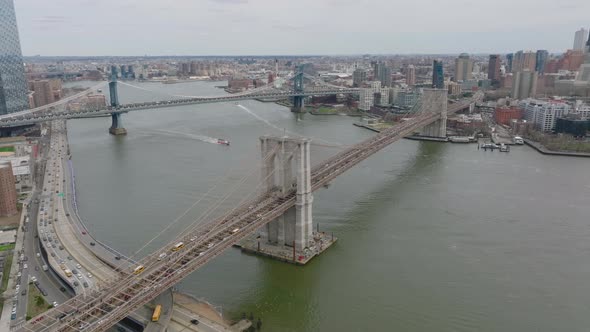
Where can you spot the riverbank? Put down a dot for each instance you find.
(540, 148)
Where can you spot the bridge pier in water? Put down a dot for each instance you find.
(116, 124)
(286, 168)
(298, 101)
(435, 102)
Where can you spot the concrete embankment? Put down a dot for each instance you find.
(539, 147)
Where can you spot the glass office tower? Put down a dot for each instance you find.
(13, 84)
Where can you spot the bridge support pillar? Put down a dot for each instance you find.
(298, 104)
(279, 155)
(435, 101)
(116, 125)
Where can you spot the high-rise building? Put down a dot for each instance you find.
(463, 68)
(541, 60)
(509, 61)
(13, 84)
(544, 113)
(494, 68)
(438, 79)
(42, 92)
(7, 186)
(366, 99)
(385, 76)
(410, 75)
(524, 60)
(358, 77)
(524, 85)
(579, 39)
(381, 73)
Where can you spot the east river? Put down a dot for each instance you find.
(432, 237)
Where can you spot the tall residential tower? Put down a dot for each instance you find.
(13, 85)
(579, 39)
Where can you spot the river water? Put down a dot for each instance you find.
(432, 237)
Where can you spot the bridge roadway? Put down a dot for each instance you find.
(21, 120)
(103, 308)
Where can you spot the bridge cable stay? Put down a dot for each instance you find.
(165, 229)
(227, 196)
(378, 136)
(284, 130)
(180, 257)
(122, 265)
(244, 93)
(142, 298)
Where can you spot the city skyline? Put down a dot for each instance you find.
(259, 27)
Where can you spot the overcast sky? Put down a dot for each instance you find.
(259, 27)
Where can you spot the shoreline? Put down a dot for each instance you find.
(195, 305)
(543, 150)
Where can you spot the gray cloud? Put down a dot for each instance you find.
(130, 27)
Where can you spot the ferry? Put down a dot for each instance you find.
(222, 141)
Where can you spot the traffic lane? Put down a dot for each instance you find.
(184, 318)
(46, 281)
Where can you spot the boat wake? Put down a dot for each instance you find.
(201, 138)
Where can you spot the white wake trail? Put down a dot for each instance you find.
(201, 138)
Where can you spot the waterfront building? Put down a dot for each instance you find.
(13, 84)
(7, 190)
(505, 114)
(544, 113)
(438, 79)
(384, 97)
(463, 68)
(580, 38)
(366, 99)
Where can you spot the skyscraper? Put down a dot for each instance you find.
(494, 68)
(358, 77)
(13, 85)
(381, 73)
(524, 60)
(463, 68)
(385, 76)
(509, 60)
(579, 39)
(438, 78)
(524, 85)
(540, 60)
(410, 75)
